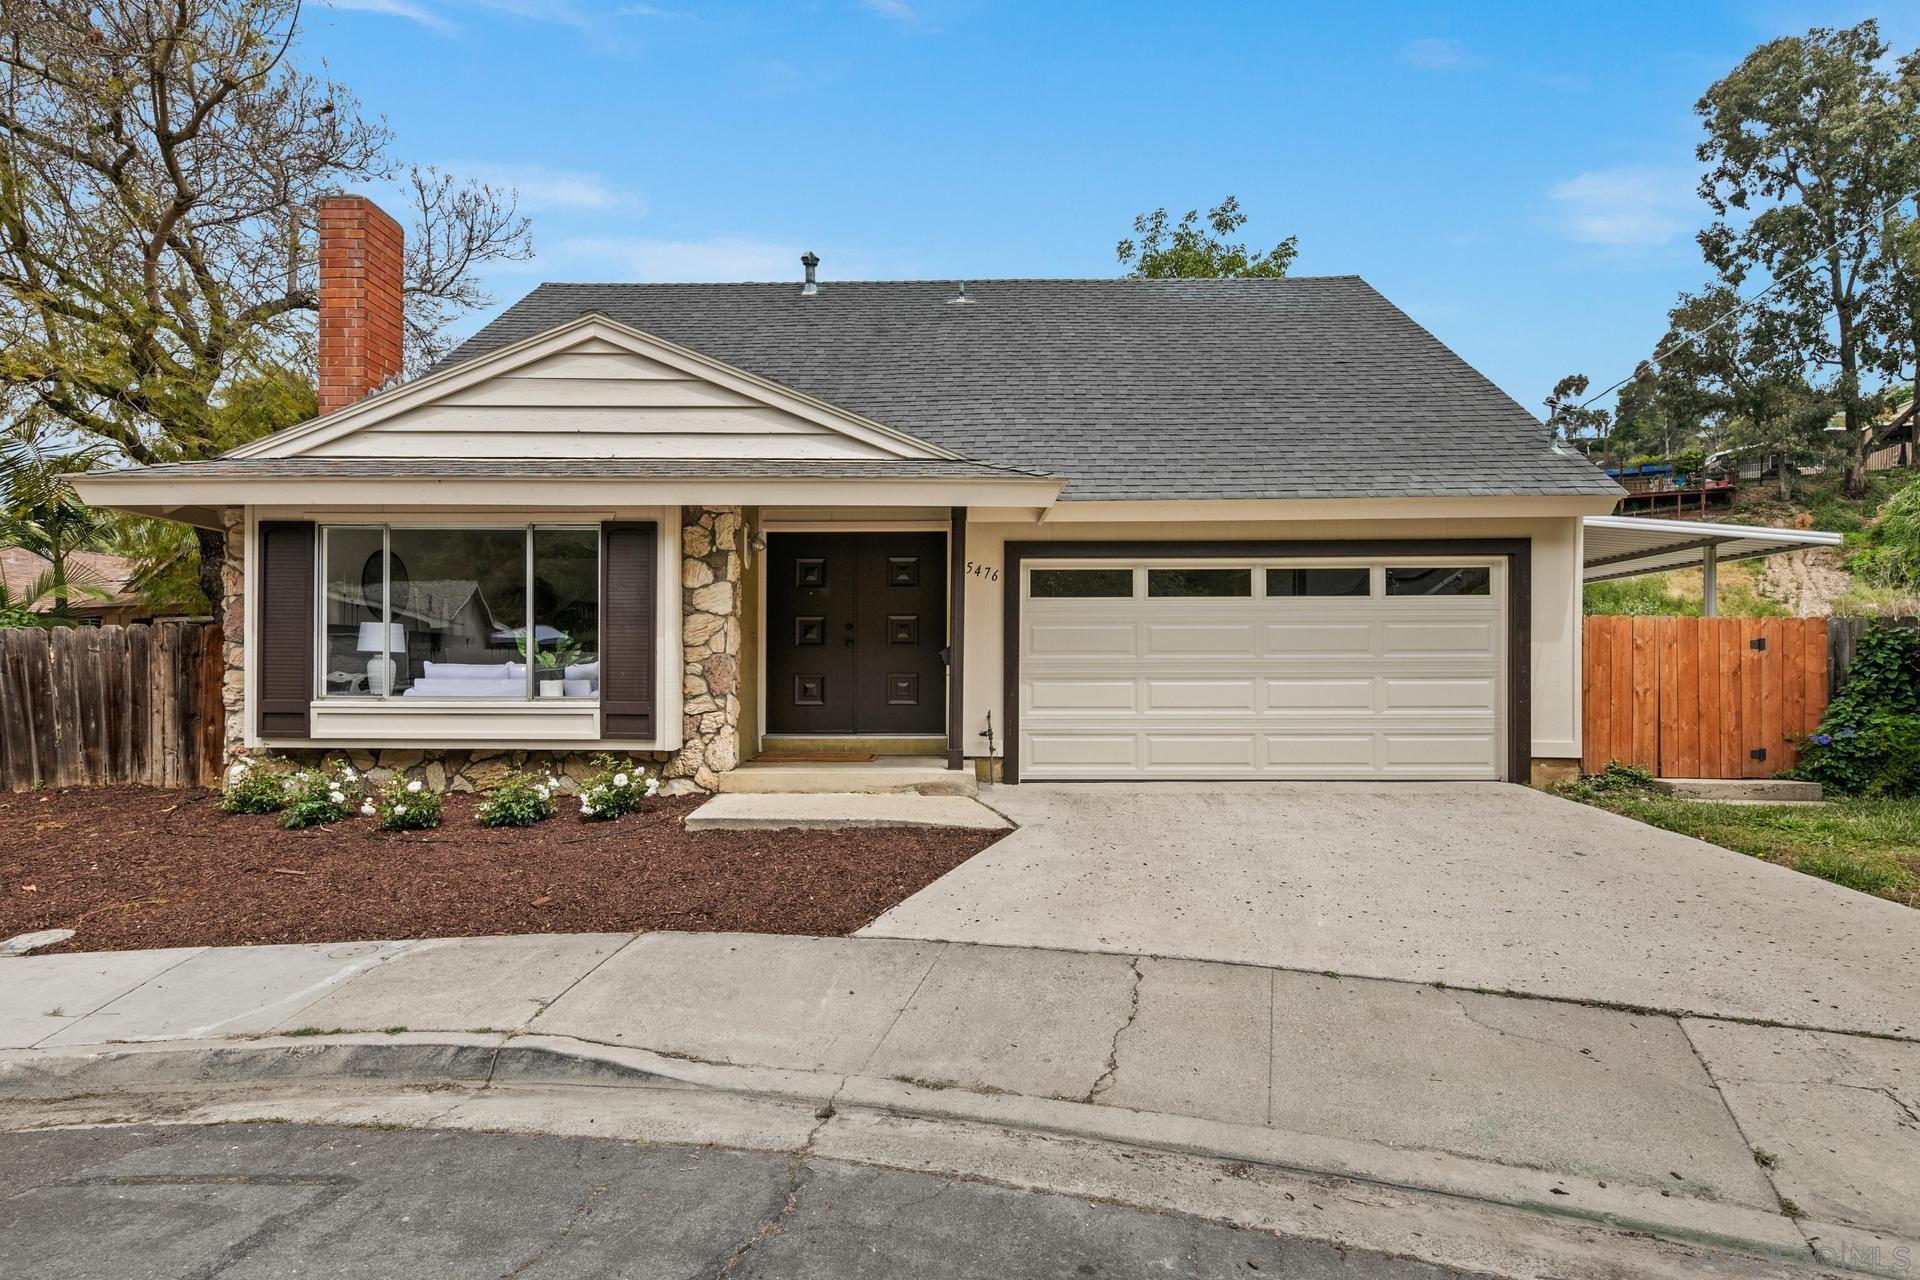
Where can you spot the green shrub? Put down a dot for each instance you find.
(617, 787)
(1890, 550)
(1868, 875)
(404, 804)
(519, 801)
(255, 786)
(1871, 732)
(316, 797)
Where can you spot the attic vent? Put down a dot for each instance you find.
(810, 260)
(962, 295)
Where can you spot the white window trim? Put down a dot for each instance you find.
(533, 727)
(528, 624)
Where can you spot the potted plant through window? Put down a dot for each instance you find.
(550, 664)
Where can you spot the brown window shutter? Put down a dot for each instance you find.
(283, 628)
(629, 630)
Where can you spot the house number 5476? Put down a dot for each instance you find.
(977, 570)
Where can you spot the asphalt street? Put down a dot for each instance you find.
(286, 1200)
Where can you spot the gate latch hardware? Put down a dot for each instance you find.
(1760, 643)
(1758, 753)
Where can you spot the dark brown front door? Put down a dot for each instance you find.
(855, 627)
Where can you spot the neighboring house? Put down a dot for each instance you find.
(1897, 447)
(22, 569)
(1145, 528)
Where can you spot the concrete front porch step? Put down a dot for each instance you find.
(875, 777)
(830, 811)
(1741, 790)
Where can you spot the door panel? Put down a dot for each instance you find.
(900, 680)
(812, 588)
(855, 627)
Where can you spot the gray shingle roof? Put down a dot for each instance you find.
(586, 469)
(1310, 387)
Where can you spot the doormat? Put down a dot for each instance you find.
(788, 757)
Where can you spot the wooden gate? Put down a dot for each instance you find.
(1701, 697)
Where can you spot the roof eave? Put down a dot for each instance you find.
(199, 500)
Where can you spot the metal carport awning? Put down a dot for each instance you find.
(1629, 546)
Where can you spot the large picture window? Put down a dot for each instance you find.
(508, 614)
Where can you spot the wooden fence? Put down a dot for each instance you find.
(103, 705)
(1702, 697)
(1843, 639)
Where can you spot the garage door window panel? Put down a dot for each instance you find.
(1446, 580)
(1214, 584)
(1320, 582)
(1080, 584)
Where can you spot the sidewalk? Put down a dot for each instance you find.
(1782, 1142)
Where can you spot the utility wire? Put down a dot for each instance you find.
(1750, 303)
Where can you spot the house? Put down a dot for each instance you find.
(1130, 528)
(1896, 447)
(22, 570)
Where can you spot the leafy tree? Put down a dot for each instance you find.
(1898, 301)
(42, 514)
(159, 164)
(1810, 139)
(1568, 420)
(1661, 412)
(1187, 250)
(1741, 364)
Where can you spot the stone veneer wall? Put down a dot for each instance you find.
(712, 541)
(233, 629)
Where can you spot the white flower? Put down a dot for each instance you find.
(619, 779)
(552, 781)
(348, 774)
(368, 808)
(399, 811)
(337, 797)
(653, 786)
(414, 786)
(542, 789)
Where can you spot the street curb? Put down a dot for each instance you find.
(504, 1060)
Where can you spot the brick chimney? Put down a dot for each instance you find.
(361, 263)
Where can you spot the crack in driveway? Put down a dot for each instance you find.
(1105, 1079)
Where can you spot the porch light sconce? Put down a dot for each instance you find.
(756, 545)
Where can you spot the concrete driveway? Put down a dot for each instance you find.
(1485, 885)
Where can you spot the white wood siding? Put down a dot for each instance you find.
(596, 400)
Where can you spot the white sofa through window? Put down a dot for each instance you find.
(469, 680)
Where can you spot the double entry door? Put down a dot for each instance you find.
(856, 633)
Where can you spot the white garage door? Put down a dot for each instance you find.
(1262, 669)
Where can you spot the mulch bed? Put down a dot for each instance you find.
(131, 868)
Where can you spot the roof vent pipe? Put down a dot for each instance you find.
(962, 295)
(809, 260)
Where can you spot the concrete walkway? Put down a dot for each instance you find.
(1488, 886)
(1781, 1141)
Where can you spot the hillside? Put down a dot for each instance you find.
(1812, 584)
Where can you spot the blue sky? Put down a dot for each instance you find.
(1518, 177)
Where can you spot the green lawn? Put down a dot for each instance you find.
(1869, 845)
